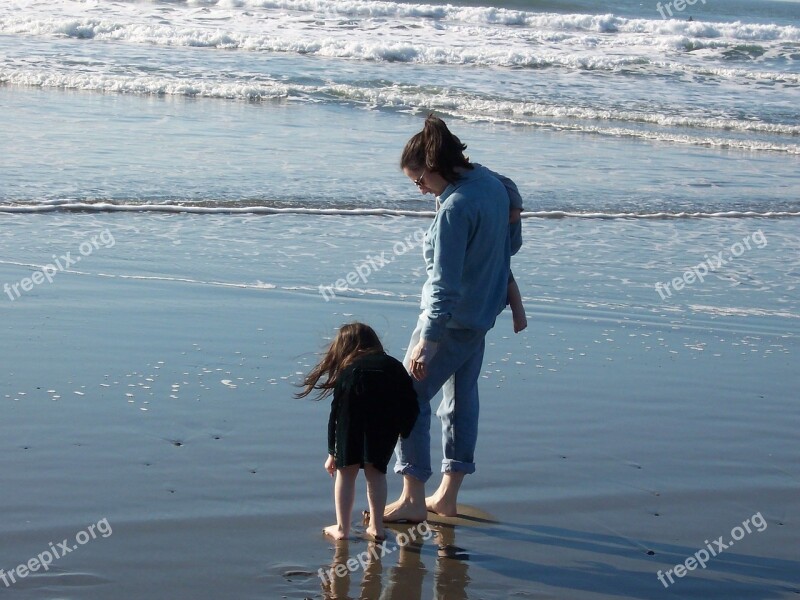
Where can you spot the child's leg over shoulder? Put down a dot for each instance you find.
(517, 308)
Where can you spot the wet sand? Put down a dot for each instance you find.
(153, 389)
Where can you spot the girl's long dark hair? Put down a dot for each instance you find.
(353, 341)
(435, 148)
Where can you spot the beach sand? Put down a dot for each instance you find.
(151, 387)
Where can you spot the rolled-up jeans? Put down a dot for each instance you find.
(454, 369)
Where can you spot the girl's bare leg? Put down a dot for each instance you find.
(376, 496)
(344, 496)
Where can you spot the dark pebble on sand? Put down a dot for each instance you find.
(298, 573)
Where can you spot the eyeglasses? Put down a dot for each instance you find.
(418, 180)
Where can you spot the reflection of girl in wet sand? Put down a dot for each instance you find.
(373, 404)
(405, 579)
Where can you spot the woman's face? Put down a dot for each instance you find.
(428, 182)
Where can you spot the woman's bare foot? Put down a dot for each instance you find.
(336, 532)
(444, 500)
(404, 509)
(441, 506)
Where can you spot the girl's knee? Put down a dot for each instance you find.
(348, 472)
(371, 471)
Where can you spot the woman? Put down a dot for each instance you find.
(467, 250)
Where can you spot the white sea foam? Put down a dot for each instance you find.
(452, 35)
(151, 85)
(607, 23)
(524, 113)
(732, 311)
(65, 205)
(423, 34)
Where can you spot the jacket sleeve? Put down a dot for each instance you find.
(332, 420)
(449, 249)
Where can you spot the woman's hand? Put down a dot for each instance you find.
(330, 465)
(421, 356)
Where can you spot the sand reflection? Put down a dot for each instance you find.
(393, 571)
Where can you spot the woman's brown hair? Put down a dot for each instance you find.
(435, 148)
(353, 341)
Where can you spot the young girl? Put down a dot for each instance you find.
(374, 402)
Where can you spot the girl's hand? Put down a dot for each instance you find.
(330, 465)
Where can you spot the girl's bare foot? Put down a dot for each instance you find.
(374, 534)
(335, 532)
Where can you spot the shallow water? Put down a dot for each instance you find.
(607, 107)
(212, 156)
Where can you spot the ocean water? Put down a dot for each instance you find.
(592, 107)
